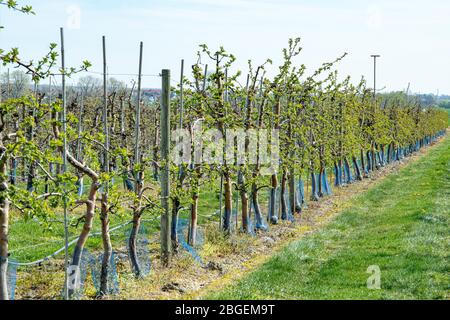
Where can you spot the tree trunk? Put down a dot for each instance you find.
(192, 235)
(173, 235)
(30, 176)
(284, 206)
(348, 173)
(132, 242)
(107, 247)
(357, 169)
(314, 195)
(363, 164)
(13, 174)
(244, 200)
(320, 186)
(4, 226)
(84, 235)
(374, 158)
(295, 208)
(228, 200)
(273, 216)
(259, 224)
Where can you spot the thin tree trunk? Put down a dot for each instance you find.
(132, 243)
(84, 235)
(4, 226)
(107, 247)
(192, 235)
(363, 164)
(357, 169)
(173, 235)
(255, 201)
(273, 216)
(320, 186)
(348, 174)
(228, 200)
(284, 206)
(292, 193)
(244, 200)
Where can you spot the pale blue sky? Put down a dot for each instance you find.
(412, 36)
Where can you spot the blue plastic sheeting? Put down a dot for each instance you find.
(337, 175)
(80, 187)
(288, 214)
(274, 197)
(301, 193)
(142, 250)
(259, 223)
(11, 274)
(326, 188)
(182, 229)
(347, 173)
(128, 184)
(314, 187)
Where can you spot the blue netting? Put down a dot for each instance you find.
(357, 167)
(77, 276)
(142, 250)
(314, 187)
(11, 274)
(251, 224)
(301, 193)
(182, 230)
(369, 161)
(259, 221)
(288, 214)
(234, 220)
(337, 175)
(80, 187)
(274, 198)
(348, 178)
(326, 188)
(113, 281)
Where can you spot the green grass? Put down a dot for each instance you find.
(401, 225)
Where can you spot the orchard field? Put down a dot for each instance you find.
(107, 193)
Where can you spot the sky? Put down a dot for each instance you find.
(412, 37)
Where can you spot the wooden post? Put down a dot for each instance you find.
(165, 184)
(64, 124)
(181, 94)
(138, 121)
(105, 111)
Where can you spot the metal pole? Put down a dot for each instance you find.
(64, 111)
(165, 183)
(181, 94)
(204, 78)
(180, 168)
(8, 86)
(375, 56)
(138, 119)
(50, 90)
(224, 151)
(105, 110)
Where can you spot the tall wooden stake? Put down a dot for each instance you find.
(105, 110)
(181, 94)
(138, 120)
(165, 185)
(64, 111)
